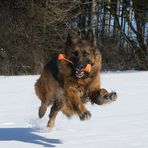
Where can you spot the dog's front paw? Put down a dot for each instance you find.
(102, 96)
(85, 115)
(112, 96)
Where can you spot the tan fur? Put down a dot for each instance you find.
(69, 94)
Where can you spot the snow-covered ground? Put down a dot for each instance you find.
(123, 124)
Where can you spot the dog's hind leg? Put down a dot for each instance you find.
(44, 104)
(46, 100)
(57, 106)
(45, 95)
(42, 110)
(41, 95)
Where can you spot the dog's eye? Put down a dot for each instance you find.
(74, 54)
(85, 53)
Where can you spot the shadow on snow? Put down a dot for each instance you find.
(26, 135)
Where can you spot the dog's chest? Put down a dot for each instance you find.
(83, 92)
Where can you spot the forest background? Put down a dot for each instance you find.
(31, 30)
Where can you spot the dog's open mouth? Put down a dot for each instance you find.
(79, 73)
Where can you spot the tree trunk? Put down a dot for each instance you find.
(93, 19)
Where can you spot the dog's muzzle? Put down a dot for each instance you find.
(80, 71)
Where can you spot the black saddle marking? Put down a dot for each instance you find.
(52, 67)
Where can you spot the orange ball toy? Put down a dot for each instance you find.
(61, 56)
(87, 68)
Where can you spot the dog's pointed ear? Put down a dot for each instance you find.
(69, 39)
(90, 38)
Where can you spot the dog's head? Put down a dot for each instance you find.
(82, 52)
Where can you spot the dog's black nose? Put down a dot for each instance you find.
(80, 67)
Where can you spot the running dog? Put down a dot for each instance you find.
(69, 82)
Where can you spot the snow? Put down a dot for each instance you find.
(122, 124)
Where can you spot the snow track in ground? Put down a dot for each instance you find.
(123, 124)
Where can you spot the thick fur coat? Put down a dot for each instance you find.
(67, 87)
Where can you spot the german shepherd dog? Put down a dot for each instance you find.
(67, 87)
